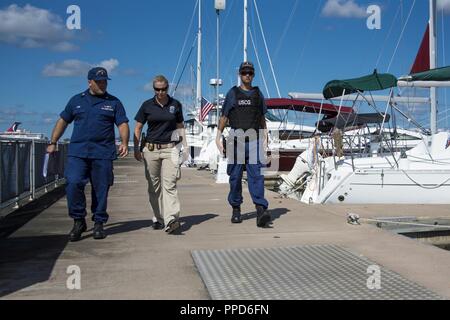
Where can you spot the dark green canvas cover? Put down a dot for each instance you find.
(373, 82)
(438, 74)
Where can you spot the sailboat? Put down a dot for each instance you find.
(420, 175)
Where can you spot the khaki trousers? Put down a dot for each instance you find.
(162, 170)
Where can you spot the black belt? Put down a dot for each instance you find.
(159, 146)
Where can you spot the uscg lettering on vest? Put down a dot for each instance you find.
(247, 112)
(244, 102)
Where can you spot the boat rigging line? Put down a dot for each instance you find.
(388, 35)
(401, 36)
(286, 29)
(259, 62)
(184, 67)
(184, 43)
(267, 50)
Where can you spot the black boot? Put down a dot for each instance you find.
(79, 226)
(158, 225)
(99, 233)
(262, 216)
(236, 216)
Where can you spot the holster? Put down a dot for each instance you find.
(224, 143)
(142, 145)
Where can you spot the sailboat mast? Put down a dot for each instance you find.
(198, 100)
(433, 63)
(245, 28)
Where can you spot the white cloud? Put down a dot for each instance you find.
(109, 65)
(344, 9)
(444, 5)
(75, 68)
(31, 27)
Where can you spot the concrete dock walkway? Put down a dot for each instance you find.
(137, 262)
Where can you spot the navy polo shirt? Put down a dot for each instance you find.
(230, 101)
(94, 118)
(162, 121)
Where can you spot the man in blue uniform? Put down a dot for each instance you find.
(92, 150)
(244, 110)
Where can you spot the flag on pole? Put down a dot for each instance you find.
(205, 109)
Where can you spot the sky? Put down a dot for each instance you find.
(310, 42)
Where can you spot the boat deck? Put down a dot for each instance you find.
(137, 262)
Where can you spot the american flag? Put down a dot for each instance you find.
(205, 109)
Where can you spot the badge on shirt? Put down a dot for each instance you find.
(172, 109)
(107, 108)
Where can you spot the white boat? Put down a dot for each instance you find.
(15, 133)
(420, 175)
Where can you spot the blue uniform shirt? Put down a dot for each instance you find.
(94, 118)
(230, 101)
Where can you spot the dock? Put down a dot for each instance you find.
(137, 262)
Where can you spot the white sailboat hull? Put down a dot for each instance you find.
(388, 187)
(418, 177)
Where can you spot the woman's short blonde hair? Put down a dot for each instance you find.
(160, 78)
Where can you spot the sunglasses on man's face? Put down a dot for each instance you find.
(160, 89)
(247, 73)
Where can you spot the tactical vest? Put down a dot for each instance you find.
(247, 112)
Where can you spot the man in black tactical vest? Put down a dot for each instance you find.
(244, 111)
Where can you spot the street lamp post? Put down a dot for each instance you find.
(219, 5)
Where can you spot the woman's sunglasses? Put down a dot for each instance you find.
(160, 89)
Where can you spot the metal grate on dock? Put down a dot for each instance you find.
(322, 272)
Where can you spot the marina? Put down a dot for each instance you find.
(356, 175)
(137, 262)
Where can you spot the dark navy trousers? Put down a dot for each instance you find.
(80, 171)
(247, 155)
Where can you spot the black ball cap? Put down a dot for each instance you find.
(246, 65)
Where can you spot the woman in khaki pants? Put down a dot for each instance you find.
(162, 153)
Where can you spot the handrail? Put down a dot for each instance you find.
(21, 172)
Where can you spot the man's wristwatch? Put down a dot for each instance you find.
(52, 143)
